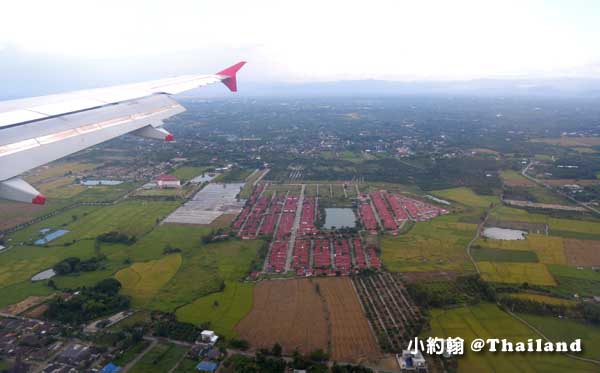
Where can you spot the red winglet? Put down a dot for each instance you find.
(169, 137)
(229, 73)
(39, 200)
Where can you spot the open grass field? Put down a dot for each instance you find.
(438, 244)
(544, 299)
(160, 359)
(516, 273)
(484, 254)
(307, 314)
(142, 281)
(203, 271)
(186, 173)
(223, 310)
(488, 321)
(86, 222)
(549, 249)
(513, 178)
(567, 330)
(466, 197)
(584, 253)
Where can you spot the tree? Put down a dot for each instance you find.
(108, 286)
(276, 350)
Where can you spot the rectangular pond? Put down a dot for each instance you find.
(51, 236)
(339, 218)
(100, 182)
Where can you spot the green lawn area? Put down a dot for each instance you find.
(231, 306)
(438, 244)
(187, 173)
(488, 321)
(503, 255)
(567, 330)
(160, 359)
(204, 270)
(466, 197)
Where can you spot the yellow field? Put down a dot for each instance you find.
(571, 141)
(544, 299)
(466, 196)
(142, 281)
(516, 273)
(549, 249)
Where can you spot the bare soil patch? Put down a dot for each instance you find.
(583, 253)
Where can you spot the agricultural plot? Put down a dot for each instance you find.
(391, 312)
(186, 173)
(488, 321)
(161, 358)
(289, 312)
(568, 330)
(430, 246)
(142, 281)
(549, 249)
(544, 299)
(15, 213)
(466, 197)
(512, 178)
(482, 254)
(310, 314)
(571, 280)
(582, 253)
(516, 273)
(223, 310)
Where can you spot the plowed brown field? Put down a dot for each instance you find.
(585, 253)
(298, 314)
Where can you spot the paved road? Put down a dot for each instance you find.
(290, 250)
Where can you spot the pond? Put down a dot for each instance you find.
(100, 182)
(44, 275)
(51, 236)
(504, 234)
(339, 217)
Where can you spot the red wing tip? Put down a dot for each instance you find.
(232, 70)
(39, 200)
(169, 137)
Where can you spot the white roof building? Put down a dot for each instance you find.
(208, 336)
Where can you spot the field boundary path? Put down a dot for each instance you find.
(268, 256)
(477, 235)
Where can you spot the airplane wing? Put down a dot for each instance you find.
(35, 131)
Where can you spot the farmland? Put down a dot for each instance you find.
(516, 273)
(488, 321)
(438, 244)
(161, 358)
(548, 249)
(466, 197)
(326, 312)
(143, 280)
(584, 253)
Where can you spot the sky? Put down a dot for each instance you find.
(73, 43)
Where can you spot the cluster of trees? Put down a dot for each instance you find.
(538, 308)
(168, 326)
(217, 235)
(116, 237)
(91, 303)
(171, 250)
(73, 265)
(270, 361)
(465, 289)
